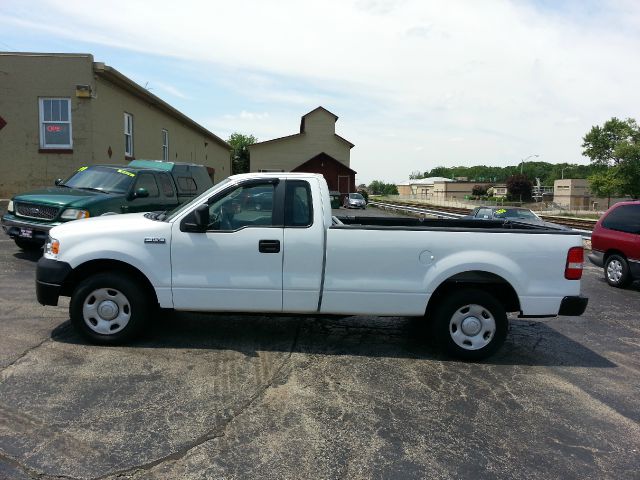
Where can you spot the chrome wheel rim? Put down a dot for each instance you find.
(106, 311)
(614, 271)
(472, 327)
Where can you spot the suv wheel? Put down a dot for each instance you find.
(616, 271)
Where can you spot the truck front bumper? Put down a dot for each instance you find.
(573, 306)
(50, 278)
(18, 228)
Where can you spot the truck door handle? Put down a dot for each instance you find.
(269, 246)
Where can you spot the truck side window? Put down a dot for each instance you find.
(166, 185)
(484, 213)
(148, 182)
(250, 206)
(298, 210)
(187, 185)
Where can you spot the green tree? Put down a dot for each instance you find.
(606, 183)
(601, 143)
(378, 187)
(479, 190)
(240, 151)
(616, 147)
(629, 168)
(519, 188)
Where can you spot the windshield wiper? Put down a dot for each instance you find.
(92, 189)
(159, 216)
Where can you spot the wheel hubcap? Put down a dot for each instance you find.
(614, 270)
(106, 311)
(472, 327)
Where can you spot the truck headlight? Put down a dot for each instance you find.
(10, 206)
(74, 214)
(52, 247)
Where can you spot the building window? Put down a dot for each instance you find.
(55, 123)
(165, 144)
(128, 135)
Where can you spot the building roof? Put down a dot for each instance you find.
(302, 129)
(425, 181)
(115, 77)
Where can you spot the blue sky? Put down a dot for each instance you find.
(416, 84)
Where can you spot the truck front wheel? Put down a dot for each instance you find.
(470, 324)
(108, 308)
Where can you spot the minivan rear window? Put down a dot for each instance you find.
(625, 218)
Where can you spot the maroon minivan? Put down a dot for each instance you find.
(615, 244)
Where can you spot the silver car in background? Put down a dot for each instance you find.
(354, 200)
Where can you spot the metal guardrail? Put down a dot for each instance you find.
(586, 234)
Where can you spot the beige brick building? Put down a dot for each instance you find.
(316, 148)
(62, 111)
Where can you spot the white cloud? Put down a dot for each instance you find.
(506, 78)
(170, 89)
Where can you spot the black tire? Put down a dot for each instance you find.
(132, 311)
(616, 271)
(28, 245)
(491, 328)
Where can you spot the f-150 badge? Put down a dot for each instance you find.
(154, 240)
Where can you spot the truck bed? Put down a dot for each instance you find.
(441, 224)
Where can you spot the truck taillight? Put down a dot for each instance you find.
(575, 258)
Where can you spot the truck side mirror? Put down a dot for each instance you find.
(58, 181)
(201, 214)
(140, 193)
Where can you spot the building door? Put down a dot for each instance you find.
(344, 184)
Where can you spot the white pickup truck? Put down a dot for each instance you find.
(268, 243)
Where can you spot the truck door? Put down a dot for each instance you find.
(304, 248)
(236, 265)
(149, 203)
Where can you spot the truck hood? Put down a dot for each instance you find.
(129, 223)
(60, 197)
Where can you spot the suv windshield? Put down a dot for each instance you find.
(104, 179)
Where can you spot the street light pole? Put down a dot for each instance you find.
(525, 159)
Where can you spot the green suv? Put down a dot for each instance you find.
(141, 186)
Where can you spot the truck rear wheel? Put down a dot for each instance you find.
(470, 324)
(109, 308)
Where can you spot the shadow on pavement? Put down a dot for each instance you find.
(32, 256)
(528, 343)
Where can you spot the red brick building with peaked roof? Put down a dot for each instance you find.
(316, 149)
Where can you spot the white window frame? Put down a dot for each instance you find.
(43, 124)
(128, 134)
(165, 144)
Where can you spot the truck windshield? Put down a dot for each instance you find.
(171, 214)
(103, 179)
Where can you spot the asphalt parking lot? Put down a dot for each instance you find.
(361, 397)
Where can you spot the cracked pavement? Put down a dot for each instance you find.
(360, 397)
